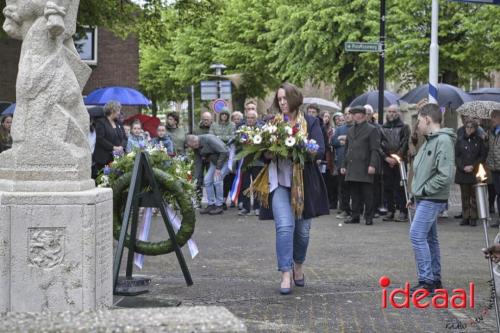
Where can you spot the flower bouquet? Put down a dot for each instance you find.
(278, 137)
(284, 141)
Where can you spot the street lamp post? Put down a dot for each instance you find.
(381, 66)
(219, 68)
(434, 54)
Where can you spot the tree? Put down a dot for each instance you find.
(309, 39)
(241, 47)
(466, 36)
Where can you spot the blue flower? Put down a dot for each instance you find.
(141, 145)
(107, 170)
(286, 118)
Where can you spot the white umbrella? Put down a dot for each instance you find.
(322, 103)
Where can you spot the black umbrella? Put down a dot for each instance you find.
(371, 98)
(95, 111)
(448, 95)
(486, 94)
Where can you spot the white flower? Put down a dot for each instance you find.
(290, 141)
(272, 129)
(104, 181)
(288, 130)
(257, 139)
(243, 139)
(273, 138)
(131, 154)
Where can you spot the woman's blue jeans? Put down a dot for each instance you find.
(424, 239)
(292, 235)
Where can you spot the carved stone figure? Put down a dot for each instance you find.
(46, 247)
(50, 149)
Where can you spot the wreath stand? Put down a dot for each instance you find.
(142, 178)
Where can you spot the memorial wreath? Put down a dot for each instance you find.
(174, 179)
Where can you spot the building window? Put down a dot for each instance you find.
(86, 45)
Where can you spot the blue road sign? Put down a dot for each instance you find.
(218, 105)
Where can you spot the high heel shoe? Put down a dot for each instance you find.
(301, 282)
(286, 291)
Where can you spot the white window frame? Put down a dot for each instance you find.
(95, 34)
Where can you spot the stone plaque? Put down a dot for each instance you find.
(45, 247)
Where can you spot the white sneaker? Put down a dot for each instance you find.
(444, 214)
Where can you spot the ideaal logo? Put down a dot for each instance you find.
(460, 298)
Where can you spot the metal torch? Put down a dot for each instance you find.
(404, 179)
(483, 213)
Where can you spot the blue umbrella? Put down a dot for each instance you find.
(124, 95)
(371, 98)
(10, 110)
(448, 95)
(486, 94)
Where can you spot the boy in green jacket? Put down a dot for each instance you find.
(434, 169)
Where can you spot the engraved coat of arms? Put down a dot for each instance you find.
(46, 247)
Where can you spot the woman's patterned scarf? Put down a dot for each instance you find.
(260, 186)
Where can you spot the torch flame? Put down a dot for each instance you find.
(481, 173)
(396, 157)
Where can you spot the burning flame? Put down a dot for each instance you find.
(481, 173)
(396, 157)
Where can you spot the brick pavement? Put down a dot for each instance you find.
(236, 269)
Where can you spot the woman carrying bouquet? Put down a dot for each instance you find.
(291, 189)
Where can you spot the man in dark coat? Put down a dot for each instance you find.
(397, 135)
(359, 165)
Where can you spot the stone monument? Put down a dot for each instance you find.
(55, 226)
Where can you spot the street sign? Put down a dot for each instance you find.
(362, 47)
(211, 90)
(491, 2)
(218, 104)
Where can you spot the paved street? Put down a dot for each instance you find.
(236, 268)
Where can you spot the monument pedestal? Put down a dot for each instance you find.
(56, 250)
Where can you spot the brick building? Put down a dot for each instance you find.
(117, 64)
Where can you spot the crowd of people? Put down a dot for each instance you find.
(355, 170)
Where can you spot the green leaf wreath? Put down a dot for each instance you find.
(174, 178)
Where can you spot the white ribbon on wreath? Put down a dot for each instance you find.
(146, 226)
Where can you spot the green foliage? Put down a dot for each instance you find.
(463, 52)
(270, 41)
(241, 46)
(309, 42)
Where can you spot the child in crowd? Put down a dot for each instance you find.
(136, 139)
(126, 128)
(164, 139)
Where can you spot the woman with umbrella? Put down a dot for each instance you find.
(5, 138)
(110, 137)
